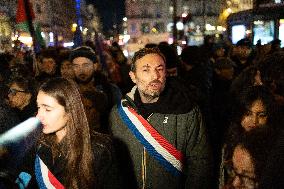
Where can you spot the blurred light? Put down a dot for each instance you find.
(85, 31)
(126, 38)
(238, 33)
(120, 42)
(169, 27)
(180, 26)
(258, 22)
(184, 15)
(125, 52)
(68, 44)
(179, 50)
(170, 40)
(42, 34)
(74, 25)
(51, 39)
(26, 40)
(219, 28)
(183, 42)
(154, 30)
(124, 19)
(209, 27)
(248, 31)
(81, 28)
(229, 10)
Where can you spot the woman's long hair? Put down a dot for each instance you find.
(77, 142)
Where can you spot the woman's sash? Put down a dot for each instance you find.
(45, 179)
(157, 146)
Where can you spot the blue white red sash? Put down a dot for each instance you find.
(156, 145)
(45, 179)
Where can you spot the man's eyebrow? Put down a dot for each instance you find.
(160, 65)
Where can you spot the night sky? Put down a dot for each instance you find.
(111, 13)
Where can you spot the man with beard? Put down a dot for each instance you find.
(47, 65)
(84, 63)
(159, 131)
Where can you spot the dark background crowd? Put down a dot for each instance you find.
(239, 89)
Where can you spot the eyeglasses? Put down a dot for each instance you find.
(83, 66)
(15, 91)
(247, 181)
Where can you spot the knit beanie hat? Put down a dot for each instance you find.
(83, 51)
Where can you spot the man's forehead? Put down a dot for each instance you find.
(151, 59)
(81, 60)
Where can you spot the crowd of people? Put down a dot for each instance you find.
(207, 118)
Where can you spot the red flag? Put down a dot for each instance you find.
(21, 15)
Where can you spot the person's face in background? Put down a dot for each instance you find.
(52, 115)
(172, 72)
(225, 73)
(220, 52)
(243, 168)
(18, 97)
(66, 70)
(48, 65)
(83, 69)
(255, 117)
(257, 79)
(243, 52)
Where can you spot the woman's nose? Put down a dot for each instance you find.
(39, 116)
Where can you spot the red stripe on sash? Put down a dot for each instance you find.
(54, 181)
(160, 139)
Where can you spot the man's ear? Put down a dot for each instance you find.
(132, 76)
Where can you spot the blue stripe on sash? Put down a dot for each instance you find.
(38, 174)
(168, 166)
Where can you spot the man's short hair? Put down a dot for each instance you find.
(143, 52)
(83, 51)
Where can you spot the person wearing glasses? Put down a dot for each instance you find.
(255, 108)
(248, 158)
(90, 77)
(21, 97)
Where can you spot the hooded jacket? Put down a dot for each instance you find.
(179, 120)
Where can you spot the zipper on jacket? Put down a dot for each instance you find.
(148, 118)
(144, 169)
(144, 163)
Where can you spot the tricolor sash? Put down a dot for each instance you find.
(156, 145)
(45, 179)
